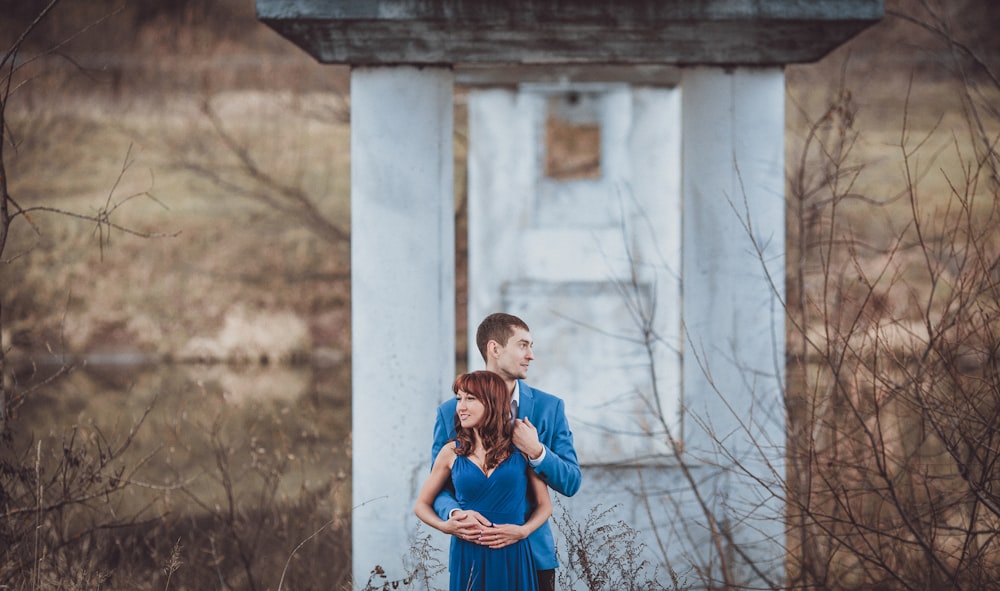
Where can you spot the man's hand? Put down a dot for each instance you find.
(467, 525)
(526, 438)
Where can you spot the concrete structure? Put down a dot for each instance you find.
(573, 254)
(682, 224)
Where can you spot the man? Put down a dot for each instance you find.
(541, 432)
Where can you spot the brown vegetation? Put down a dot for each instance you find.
(893, 289)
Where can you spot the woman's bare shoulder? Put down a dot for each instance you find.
(447, 454)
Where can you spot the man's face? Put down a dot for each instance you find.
(515, 356)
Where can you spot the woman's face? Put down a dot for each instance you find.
(470, 410)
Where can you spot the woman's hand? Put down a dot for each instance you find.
(501, 535)
(466, 524)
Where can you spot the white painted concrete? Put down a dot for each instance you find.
(734, 263)
(690, 221)
(574, 258)
(402, 297)
(689, 217)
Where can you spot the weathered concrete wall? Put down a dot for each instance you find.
(685, 224)
(402, 295)
(734, 319)
(572, 256)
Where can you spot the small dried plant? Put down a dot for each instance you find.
(604, 554)
(424, 567)
(173, 563)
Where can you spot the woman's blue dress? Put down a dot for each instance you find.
(502, 497)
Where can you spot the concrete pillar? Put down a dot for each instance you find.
(733, 290)
(402, 297)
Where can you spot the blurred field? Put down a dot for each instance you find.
(216, 250)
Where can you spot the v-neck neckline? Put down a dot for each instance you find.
(480, 468)
(485, 474)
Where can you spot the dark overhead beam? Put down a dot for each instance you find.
(674, 32)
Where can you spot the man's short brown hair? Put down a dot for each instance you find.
(497, 327)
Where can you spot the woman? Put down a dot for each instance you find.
(490, 477)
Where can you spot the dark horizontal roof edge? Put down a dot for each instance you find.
(568, 10)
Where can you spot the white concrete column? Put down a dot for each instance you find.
(402, 298)
(733, 289)
(503, 159)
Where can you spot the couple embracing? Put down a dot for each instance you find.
(498, 447)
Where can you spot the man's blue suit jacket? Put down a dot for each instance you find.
(560, 469)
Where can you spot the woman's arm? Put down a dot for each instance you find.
(543, 503)
(436, 481)
(444, 431)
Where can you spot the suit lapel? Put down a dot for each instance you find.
(526, 407)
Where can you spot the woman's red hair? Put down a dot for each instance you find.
(496, 430)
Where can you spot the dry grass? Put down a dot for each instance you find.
(237, 466)
(155, 295)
